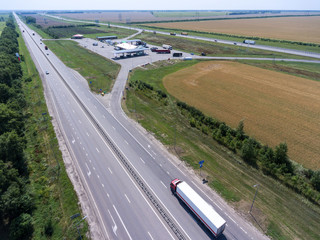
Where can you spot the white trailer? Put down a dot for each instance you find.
(165, 46)
(251, 42)
(204, 211)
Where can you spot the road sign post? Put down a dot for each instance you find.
(201, 165)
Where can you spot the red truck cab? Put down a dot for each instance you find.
(173, 184)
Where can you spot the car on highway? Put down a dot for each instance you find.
(47, 72)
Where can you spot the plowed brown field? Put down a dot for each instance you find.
(304, 29)
(276, 107)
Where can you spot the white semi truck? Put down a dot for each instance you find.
(165, 46)
(205, 212)
(251, 42)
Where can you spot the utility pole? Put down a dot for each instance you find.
(257, 186)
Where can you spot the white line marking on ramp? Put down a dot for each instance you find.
(163, 184)
(150, 236)
(127, 198)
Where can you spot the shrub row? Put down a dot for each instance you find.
(142, 86)
(273, 162)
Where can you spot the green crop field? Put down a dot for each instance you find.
(278, 211)
(98, 70)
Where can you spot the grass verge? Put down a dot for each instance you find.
(210, 48)
(99, 71)
(54, 195)
(278, 211)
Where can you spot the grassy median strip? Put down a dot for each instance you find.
(99, 71)
(55, 198)
(278, 211)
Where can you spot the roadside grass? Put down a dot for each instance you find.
(99, 71)
(54, 194)
(235, 39)
(278, 211)
(300, 69)
(210, 48)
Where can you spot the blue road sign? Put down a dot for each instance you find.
(201, 163)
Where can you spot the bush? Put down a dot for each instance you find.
(21, 227)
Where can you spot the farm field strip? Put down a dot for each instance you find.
(304, 29)
(275, 107)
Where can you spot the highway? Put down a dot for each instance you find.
(125, 172)
(257, 46)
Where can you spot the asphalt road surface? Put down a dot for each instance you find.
(124, 170)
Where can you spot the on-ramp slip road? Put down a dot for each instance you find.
(125, 174)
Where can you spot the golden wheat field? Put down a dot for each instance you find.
(304, 29)
(275, 107)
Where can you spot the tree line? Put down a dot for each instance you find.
(16, 197)
(273, 162)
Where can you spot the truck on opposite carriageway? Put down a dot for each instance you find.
(251, 42)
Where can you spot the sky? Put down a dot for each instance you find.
(160, 5)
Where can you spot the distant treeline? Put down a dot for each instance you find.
(16, 197)
(237, 36)
(272, 162)
(253, 12)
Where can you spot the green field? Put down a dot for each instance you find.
(305, 70)
(98, 70)
(119, 32)
(278, 211)
(54, 194)
(184, 14)
(235, 39)
(210, 48)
